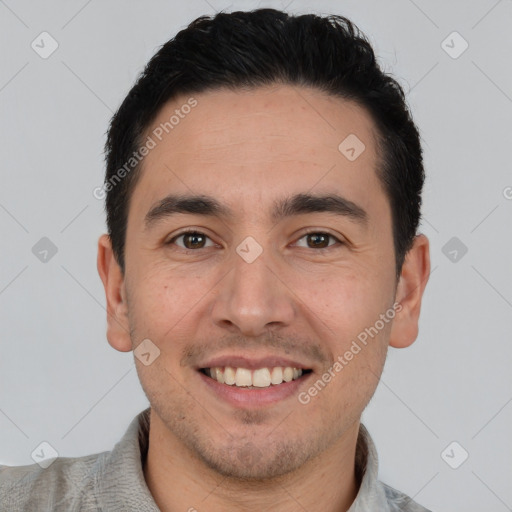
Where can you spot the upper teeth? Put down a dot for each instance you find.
(260, 378)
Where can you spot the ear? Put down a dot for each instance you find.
(118, 328)
(411, 285)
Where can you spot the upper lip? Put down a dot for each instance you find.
(252, 363)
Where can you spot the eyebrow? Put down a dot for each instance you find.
(297, 204)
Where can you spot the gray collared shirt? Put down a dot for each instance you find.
(114, 481)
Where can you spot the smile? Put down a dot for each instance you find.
(257, 378)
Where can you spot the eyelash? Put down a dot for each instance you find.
(313, 231)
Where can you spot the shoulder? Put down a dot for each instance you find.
(400, 502)
(67, 484)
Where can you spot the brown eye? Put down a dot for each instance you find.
(191, 240)
(318, 240)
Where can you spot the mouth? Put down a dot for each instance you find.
(257, 378)
(251, 381)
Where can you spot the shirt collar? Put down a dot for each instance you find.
(371, 495)
(121, 484)
(120, 479)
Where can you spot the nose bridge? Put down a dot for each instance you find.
(251, 296)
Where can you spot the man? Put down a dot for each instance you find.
(263, 192)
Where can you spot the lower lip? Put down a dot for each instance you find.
(251, 397)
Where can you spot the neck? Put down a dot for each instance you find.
(179, 481)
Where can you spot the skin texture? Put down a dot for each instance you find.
(248, 149)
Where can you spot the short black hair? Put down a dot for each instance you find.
(266, 47)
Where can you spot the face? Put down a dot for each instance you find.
(266, 280)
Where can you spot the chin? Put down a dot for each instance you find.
(248, 462)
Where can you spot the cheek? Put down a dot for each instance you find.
(166, 303)
(347, 303)
(351, 305)
(158, 302)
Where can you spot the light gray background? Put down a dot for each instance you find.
(62, 383)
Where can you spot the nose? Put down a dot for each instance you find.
(253, 297)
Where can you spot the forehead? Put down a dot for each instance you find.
(248, 146)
